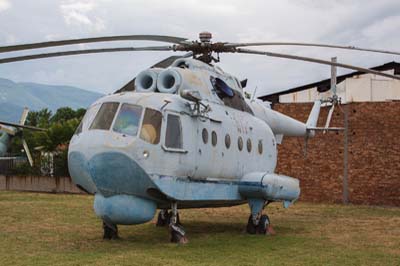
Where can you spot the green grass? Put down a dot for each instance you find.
(48, 229)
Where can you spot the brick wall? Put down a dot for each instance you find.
(373, 154)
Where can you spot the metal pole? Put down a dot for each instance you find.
(333, 76)
(345, 156)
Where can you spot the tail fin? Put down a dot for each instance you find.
(314, 114)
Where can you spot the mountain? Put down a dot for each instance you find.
(15, 96)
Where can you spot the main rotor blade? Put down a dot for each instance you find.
(156, 38)
(21, 126)
(87, 51)
(310, 45)
(315, 60)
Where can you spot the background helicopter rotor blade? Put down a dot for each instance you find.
(27, 151)
(235, 45)
(156, 38)
(21, 126)
(8, 130)
(315, 60)
(86, 51)
(24, 115)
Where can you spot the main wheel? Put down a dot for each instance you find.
(262, 226)
(251, 228)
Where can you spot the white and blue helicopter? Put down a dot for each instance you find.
(182, 135)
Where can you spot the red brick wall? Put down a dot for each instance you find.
(373, 155)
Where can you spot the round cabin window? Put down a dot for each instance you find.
(240, 143)
(249, 145)
(213, 138)
(204, 134)
(227, 141)
(260, 147)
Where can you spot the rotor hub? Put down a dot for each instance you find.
(205, 37)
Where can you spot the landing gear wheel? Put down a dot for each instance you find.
(110, 231)
(251, 228)
(263, 225)
(178, 234)
(163, 218)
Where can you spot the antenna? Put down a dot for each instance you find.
(254, 94)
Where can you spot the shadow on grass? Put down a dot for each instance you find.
(149, 234)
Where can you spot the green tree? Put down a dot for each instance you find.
(63, 114)
(43, 118)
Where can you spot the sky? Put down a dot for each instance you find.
(372, 24)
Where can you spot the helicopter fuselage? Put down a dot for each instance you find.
(139, 151)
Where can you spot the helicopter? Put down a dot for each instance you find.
(9, 130)
(182, 135)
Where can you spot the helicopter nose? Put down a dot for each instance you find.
(109, 173)
(117, 173)
(78, 168)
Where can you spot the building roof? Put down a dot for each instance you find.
(325, 85)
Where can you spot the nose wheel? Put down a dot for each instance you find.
(178, 234)
(164, 218)
(110, 230)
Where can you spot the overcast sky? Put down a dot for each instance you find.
(373, 24)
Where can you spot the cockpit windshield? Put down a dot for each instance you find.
(105, 116)
(128, 119)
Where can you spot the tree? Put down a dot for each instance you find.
(39, 118)
(63, 114)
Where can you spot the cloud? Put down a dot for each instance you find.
(4, 5)
(77, 13)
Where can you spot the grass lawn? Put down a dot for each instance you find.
(49, 229)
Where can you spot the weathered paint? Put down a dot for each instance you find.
(198, 175)
(269, 186)
(79, 168)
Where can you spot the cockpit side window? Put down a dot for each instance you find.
(229, 96)
(151, 126)
(105, 116)
(78, 130)
(173, 135)
(128, 119)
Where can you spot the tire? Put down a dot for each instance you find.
(162, 221)
(110, 231)
(177, 234)
(251, 228)
(263, 224)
